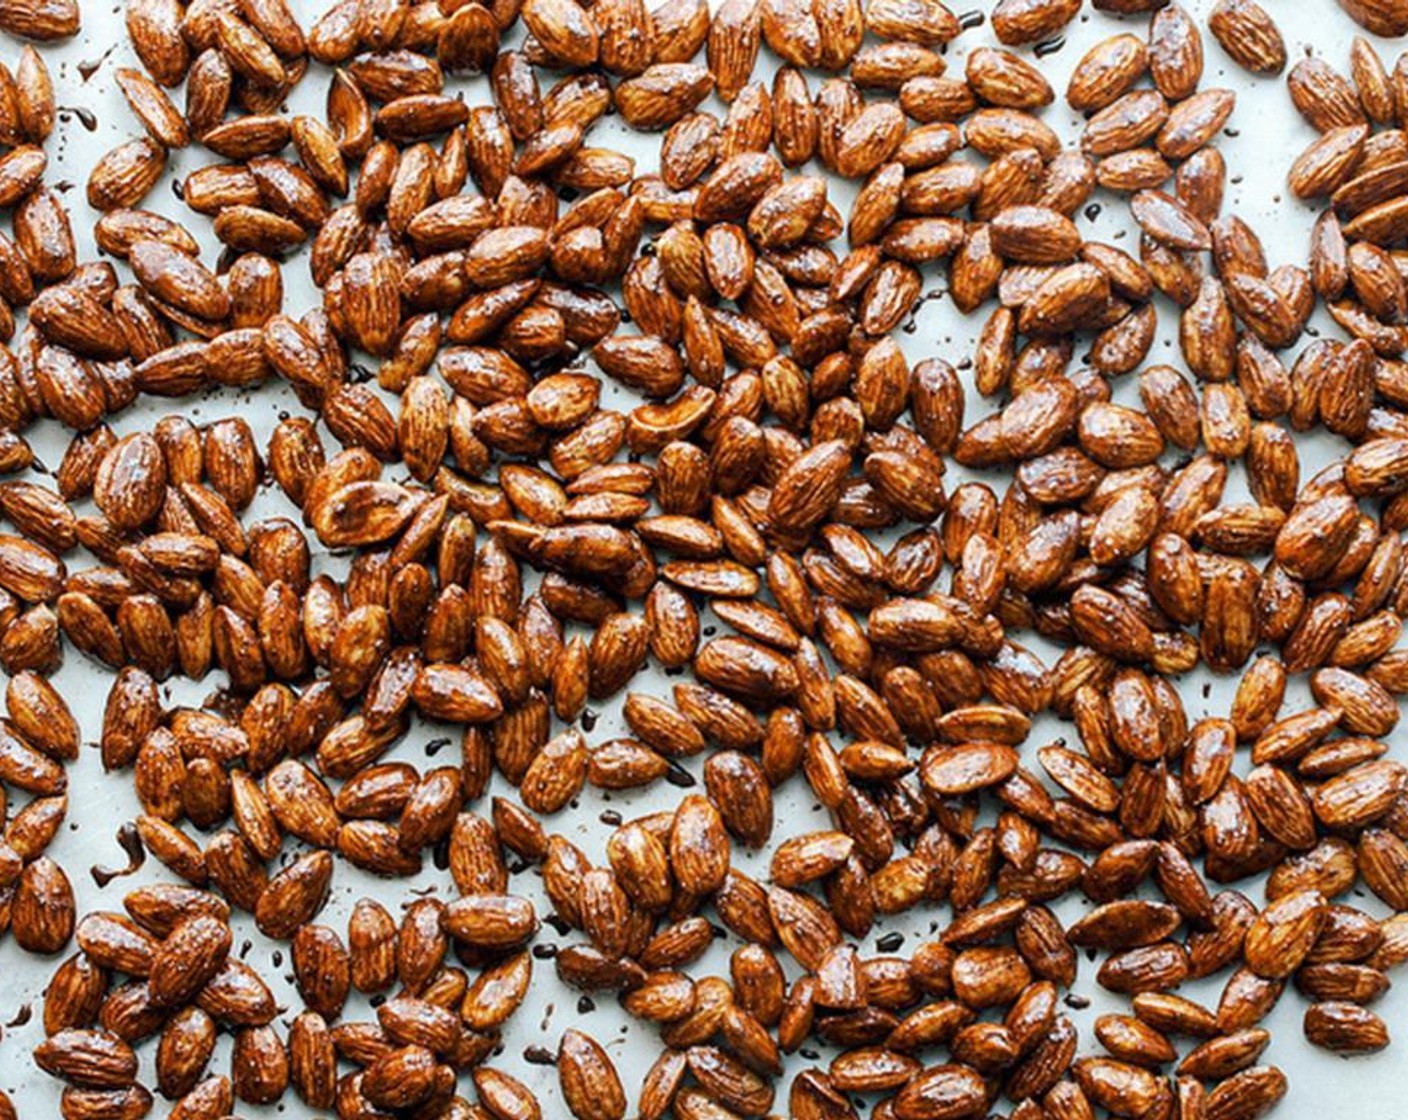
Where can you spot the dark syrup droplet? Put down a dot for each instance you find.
(86, 117)
(87, 69)
(131, 843)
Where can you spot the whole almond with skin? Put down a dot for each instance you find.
(187, 1043)
(1322, 167)
(810, 486)
(1284, 933)
(491, 920)
(1252, 1092)
(945, 1090)
(1106, 72)
(312, 1060)
(1034, 235)
(160, 908)
(1017, 22)
(371, 942)
(591, 1088)
(1001, 78)
(1345, 1027)
(153, 107)
(1175, 52)
(1322, 96)
(88, 1059)
(75, 994)
(131, 481)
(238, 997)
(1382, 17)
(70, 317)
(1065, 299)
(41, 716)
(189, 957)
(174, 278)
(1249, 35)
(28, 571)
(126, 174)
(42, 20)
(42, 914)
(294, 895)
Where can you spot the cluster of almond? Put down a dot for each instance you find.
(39, 734)
(1353, 259)
(780, 474)
(175, 948)
(185, 987)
